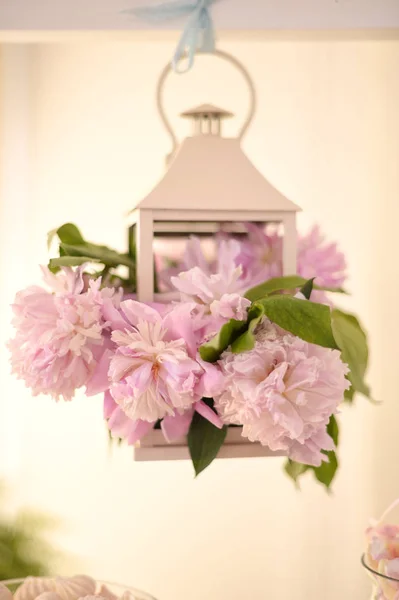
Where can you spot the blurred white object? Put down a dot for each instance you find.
(229, 15)
(43, 585)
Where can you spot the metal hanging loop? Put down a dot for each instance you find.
(232, 60)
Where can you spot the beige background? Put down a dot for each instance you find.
(81, 141)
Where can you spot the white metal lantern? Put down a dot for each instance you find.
(209, 182)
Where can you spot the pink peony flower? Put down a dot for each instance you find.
(193, 256)
(59, 333)
(322, 260)
(262, 259)
(283, 393)
(120, 425)
(151, 377)
(173, 427)
(261, 254)
(154, 373)
(218, 294)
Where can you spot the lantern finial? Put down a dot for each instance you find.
(207, 119)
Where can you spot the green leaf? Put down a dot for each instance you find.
(280, 284)
(50, 236)
(204, 442)
(352, 341)
(69, 261)
(307, 320)
(100, 253)
(246, 341)
(212, 350)
(132, 244)
(327, 470)
(325, 474)
(277, 284)
(74, 244)
(349, 394)
(70, 250)
(333, 429)
(70, 234)
(53, 269)
(307, 289)
(295, 470)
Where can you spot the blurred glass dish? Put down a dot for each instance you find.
(385, 588)
(115, 588)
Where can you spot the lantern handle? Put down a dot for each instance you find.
(232, 60)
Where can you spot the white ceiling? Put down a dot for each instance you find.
(229, 15)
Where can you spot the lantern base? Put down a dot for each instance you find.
(154, 448)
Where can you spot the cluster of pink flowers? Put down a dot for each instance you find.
(259, 257)
(382, 558)
(145, 358)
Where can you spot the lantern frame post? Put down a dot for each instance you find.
(290, 244)
(144, 222)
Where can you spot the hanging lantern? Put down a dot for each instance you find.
(209, 183)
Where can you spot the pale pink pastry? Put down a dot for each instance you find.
(72, 588)
(5, 593)
(106, 593)
(57, 588)
(33, 587)
(49, 596)
(127, 596)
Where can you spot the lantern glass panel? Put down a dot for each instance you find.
(171, 237)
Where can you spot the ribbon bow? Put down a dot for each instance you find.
(198, 34)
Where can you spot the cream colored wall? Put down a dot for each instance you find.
(16, 129)
(327, 135)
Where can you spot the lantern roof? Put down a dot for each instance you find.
(212, 173)
(207, 110)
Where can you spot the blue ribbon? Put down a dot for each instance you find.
(198, 34)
